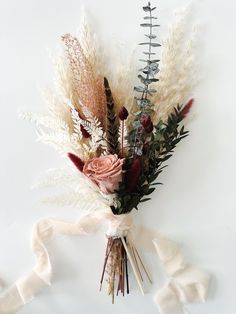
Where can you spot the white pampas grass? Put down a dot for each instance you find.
(177, 75)
(90, 45)
(122, 74)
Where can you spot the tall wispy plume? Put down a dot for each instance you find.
(177, 75)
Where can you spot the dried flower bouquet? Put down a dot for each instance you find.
(118, 144)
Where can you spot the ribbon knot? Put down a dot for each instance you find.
(119, 225)
(186, 284)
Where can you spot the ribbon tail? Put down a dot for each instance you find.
(25, 288)
(187, 284)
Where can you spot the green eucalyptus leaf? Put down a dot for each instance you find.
(146, 24)
(149, 53)
(147, 8)
(139, 89)
(143, 60)
(150, 18)
(150, 191)
(145, 199)
(144, 44)
(155, 45)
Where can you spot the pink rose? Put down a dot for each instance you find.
(105, 171)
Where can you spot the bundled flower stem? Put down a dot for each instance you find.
(120, 251)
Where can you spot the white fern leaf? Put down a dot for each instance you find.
(85, 201)
(123, 134)
(47, 121)
(92, 125)
(76, 122)
(58, 176)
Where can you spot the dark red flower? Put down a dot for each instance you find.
(76, 161)
(149, 128)
(84, 132)
(123, 113)
(145, 148)
(147, 123)
(186, 108)
(82, 129)
(133, 174)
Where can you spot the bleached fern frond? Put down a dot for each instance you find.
(76, 121)
(44, 120)
(86, 201)
(66, 176)
(177, 71)
(63, 142)
(92, 125)
(123, 135)
(55, 132)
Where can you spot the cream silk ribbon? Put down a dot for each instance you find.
(187, 284)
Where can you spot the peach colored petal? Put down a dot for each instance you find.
(105, 171)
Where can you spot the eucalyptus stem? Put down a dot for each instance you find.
(143, 102)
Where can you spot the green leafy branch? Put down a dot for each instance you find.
(160, 148)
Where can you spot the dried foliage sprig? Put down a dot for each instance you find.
(112, 124)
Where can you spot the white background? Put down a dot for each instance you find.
(196, 204)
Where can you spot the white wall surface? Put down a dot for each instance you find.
(196, 204)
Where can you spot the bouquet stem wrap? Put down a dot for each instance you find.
(186, 284)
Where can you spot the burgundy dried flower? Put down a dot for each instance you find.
(133, 175)
(76, 161)
(82, 129)
(147, 123)
(123, 113)
(145, 148)
(186, 109)
(149, 128)
(84, 132)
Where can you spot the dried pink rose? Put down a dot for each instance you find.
(105, 171)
